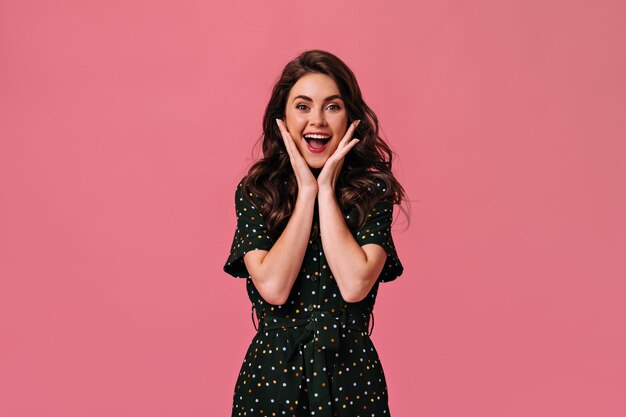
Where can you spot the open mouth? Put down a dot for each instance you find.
(317, 142)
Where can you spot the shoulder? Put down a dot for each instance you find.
(244, 197)
(239, 192)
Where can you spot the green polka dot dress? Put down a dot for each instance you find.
(313, 355)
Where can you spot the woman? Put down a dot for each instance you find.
(313, 241)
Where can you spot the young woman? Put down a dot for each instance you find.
(313, 241)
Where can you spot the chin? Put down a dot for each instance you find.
(317, 164)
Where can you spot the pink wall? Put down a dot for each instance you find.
(125, 126)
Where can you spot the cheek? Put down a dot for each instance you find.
(342, 128)
(294, 124)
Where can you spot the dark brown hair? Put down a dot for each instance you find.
(272, 180)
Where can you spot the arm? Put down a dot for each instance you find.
(354, 267)
(275, 271)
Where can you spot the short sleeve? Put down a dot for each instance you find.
(377, 229)
(250, 234)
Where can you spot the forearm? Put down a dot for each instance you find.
(346, 259)
(281, 265)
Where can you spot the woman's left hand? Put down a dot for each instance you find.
(329, 173)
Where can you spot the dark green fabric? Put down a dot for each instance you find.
(311, 356)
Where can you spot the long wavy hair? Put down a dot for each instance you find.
(272, 179)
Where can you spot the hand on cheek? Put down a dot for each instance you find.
(304, 177)
(328, 176)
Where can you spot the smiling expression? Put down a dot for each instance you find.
(314, 107)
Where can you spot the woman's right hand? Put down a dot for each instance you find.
(304, 177)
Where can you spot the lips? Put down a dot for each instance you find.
(317, 141)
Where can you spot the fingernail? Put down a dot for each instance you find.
(357, 122)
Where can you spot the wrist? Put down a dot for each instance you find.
(306, 194)
(326, 191)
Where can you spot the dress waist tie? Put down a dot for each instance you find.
(317, 335)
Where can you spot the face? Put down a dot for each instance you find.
(314, 107)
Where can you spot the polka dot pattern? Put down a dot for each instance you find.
(377, 230)
(311, 356)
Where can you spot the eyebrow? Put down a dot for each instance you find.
(335, 96)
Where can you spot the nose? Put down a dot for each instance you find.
(317, 118)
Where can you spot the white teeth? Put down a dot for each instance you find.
(316, 137)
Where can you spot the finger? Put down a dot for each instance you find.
(286, 136)
(349, 133)
(340, 152)
(290, 143)
(282, 128)
(347, 148)
(295, 158)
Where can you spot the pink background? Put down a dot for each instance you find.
(126, 125)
